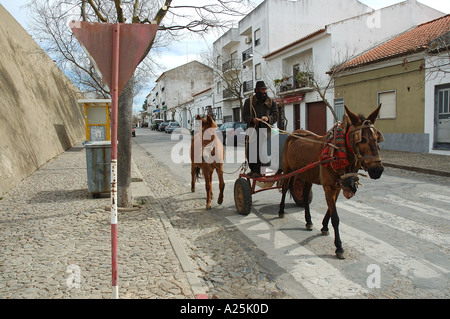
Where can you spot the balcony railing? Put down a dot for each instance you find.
(247, 54)
(231, 65)
(290, 83)
(227, 94)
(248, 86)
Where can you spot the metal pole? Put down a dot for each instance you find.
(114, 112)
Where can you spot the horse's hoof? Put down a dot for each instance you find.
(325, 232)
(220, 201)
(309, 226)
(340, 254)
(193, 189)
(281, 215)
(208, 207)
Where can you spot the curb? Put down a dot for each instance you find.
(418, 169)
(187, 266)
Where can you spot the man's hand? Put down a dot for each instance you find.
(265, 118)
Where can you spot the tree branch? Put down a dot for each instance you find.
(97, 12)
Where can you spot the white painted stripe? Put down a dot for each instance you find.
(385, 254)
(437, 197)
(420, 207)
(319, 277)
(405, 225)
(115, 292)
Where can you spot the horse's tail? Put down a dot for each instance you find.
(198, 173)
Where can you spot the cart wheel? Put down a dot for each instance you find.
(242, 196)
(297, 194)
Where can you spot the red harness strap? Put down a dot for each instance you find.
(348, 142)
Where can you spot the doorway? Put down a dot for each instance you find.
(443, 117)
(296, 117)
(316, 117)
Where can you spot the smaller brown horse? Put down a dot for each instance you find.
(359, 141)
(207, 155)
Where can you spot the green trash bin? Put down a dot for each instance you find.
(98, 161)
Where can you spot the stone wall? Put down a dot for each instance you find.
(39, 114)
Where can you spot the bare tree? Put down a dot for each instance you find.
(228, 71)
(438, 57)
(174, 18)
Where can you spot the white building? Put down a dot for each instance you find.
(274, 23)
(175, 88)
(281, 38)
(335, 43)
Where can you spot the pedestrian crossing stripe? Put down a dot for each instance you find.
(405, 225)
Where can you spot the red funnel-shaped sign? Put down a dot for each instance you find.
(97, 41)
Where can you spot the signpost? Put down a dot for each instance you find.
(115, 50)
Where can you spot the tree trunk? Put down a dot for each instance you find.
(124, 122)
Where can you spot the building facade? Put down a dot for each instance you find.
(264, 47)
(239, 53)
(410, 76)
(175, 88)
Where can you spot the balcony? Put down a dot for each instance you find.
(248, 86)
(227, 94)
(290, 84)
(234, 64)
(247, 55)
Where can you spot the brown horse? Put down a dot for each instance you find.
(361, 148)
(207, 155)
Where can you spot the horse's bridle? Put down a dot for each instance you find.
(356, 133)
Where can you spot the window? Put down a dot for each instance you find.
(217, 113)
(258, 71)
(219, 87)
(257, 37)
(339, 108)
(389, 101)
(444, 105)
(234, 60)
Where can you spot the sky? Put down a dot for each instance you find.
(190, 49)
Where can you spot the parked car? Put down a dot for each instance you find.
(162, 126)
(234, 129)
(172, 126)
(156, 123)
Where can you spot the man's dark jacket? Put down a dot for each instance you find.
(268, 108)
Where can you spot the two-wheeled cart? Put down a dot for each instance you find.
(245, 187)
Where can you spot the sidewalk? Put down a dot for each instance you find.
(417, 162)
(55, 240)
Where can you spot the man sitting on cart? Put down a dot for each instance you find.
(259, 107)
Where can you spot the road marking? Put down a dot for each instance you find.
(420, 207)
(319, 277)
(438, 197)
(384, 253)
(405, 225)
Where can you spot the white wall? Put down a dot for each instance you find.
(432, 79)
(354, 36)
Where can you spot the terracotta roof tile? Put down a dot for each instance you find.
(411, 41)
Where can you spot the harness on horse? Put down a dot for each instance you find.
(347, 143)
(356, 132)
